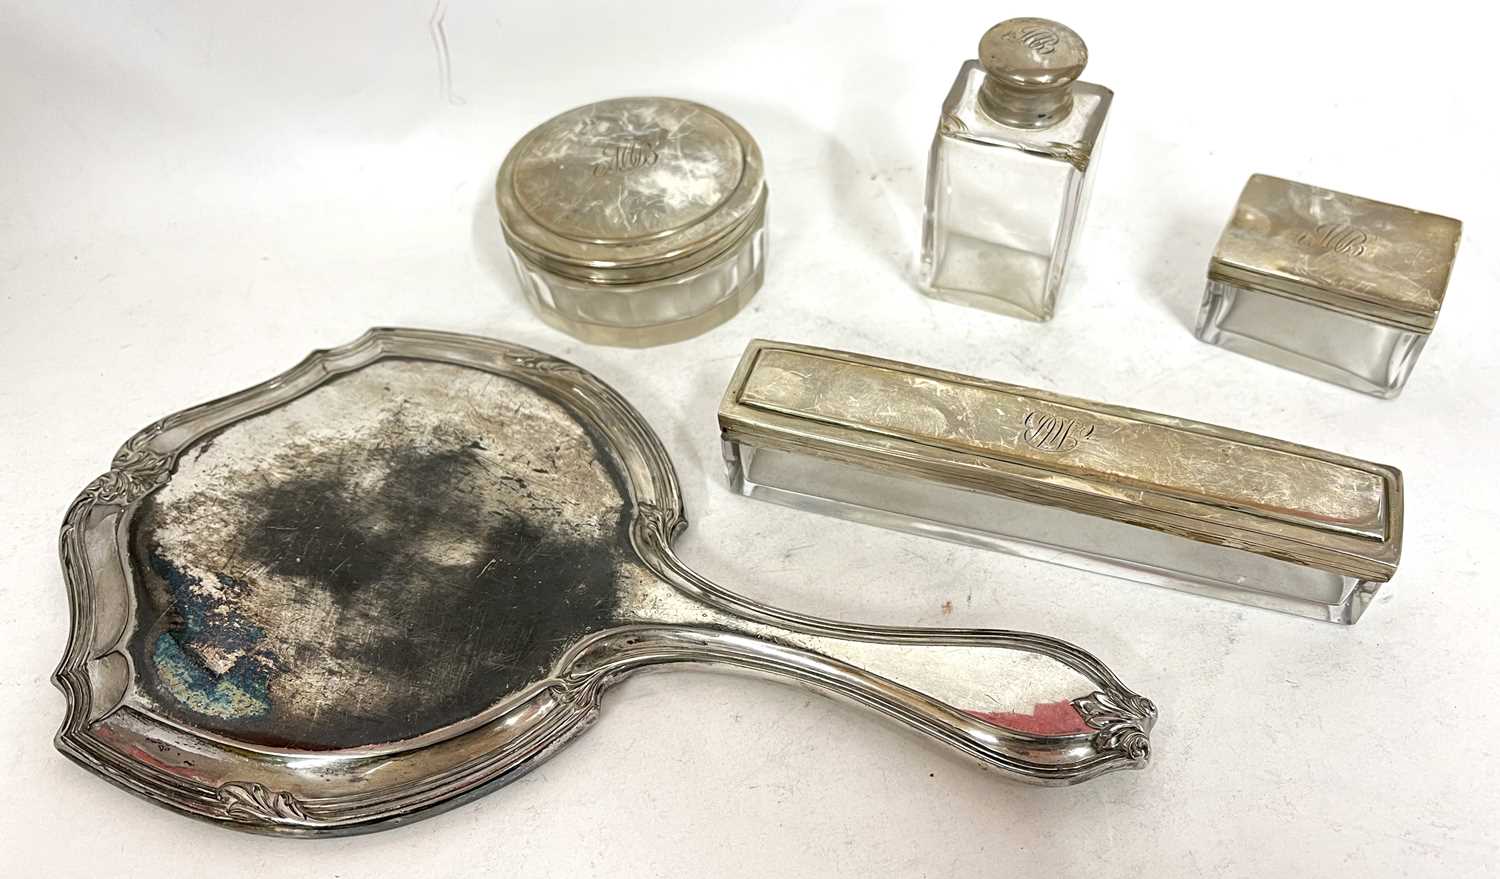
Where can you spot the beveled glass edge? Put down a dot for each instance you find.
(651, 334)
(1350, 297)
(1343, 553)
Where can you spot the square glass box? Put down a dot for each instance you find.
(1103, 488)
(1334, 286)
(1010, 171)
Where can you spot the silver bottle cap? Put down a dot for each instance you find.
(1031, 64)
(631, 190)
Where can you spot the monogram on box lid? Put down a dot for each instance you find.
(1340, 287)
(635, 221)
(1106, 488)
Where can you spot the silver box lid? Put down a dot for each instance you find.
(631, 190)
(1378, 261)
(1207, 483)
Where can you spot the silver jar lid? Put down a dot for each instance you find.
(631, 190)
(1030, 66)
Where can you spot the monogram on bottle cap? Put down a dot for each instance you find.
(1030, 65)
(1033, 53)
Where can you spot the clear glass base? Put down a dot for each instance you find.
(1043, 533)
(962, 267)
(654, 313)
(1003, 204)
(1340, 348)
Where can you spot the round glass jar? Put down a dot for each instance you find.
(635, 221)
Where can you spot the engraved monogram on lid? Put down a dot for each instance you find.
(1053, 433)
(1031, 64)
(1109, 449)
(631, 189)
(1379, 261)
(1337, 237)
(592, 199)
(1039, 38)
(637, 152)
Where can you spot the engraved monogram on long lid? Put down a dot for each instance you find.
(1205, 483)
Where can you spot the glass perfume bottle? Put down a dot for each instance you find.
(1010, 169)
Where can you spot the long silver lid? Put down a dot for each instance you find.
(1378, 261)
(1207, 483)
(630, 190)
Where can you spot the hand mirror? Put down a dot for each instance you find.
(404, 572)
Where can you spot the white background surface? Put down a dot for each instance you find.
(193, 196)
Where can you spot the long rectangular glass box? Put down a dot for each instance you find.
(1104, 488)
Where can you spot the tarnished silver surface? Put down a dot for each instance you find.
(1209, 484)
(630, 190)
(1379, 261)
(405, 571)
